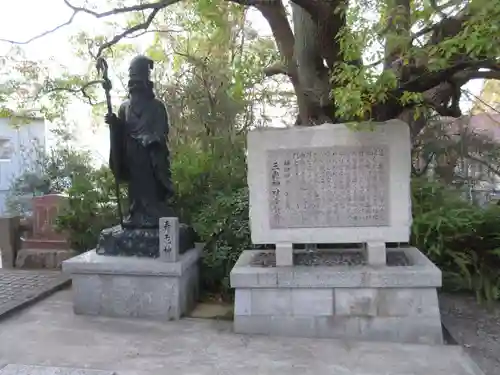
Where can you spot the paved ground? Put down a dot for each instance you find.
(49, 334)
(474, 326)
(19, 288)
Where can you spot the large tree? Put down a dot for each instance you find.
(369, 59)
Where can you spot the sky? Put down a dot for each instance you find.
(23, 19)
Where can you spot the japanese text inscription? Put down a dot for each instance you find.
(341, 186)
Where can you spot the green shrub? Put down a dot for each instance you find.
(225, 228)
(92, 207)
(51, 172)
(463, 240)
(211, 195)
(201, 176)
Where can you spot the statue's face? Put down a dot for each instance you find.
(136, 86)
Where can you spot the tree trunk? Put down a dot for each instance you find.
(313, 75)
(312, 50)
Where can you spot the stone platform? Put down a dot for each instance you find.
(49, 334)
(381, 303)
(139, 287)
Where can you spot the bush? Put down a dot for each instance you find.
(463, 240)
(51, 172)
(225, 228)
(211, 195)
(92, 207)
(202, 176)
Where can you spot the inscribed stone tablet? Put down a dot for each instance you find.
(340, 186)
(169, 239)
(43, 370)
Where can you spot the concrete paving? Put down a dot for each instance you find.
(49, 334)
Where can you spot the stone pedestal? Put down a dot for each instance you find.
(134, 287)
(364, 302)
(333, 184)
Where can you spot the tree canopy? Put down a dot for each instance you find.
(346, 61)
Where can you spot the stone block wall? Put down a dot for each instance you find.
(383, 303)
(134, 287)
(387, 314)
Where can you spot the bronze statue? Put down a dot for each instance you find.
(139, 136)
(139, 156)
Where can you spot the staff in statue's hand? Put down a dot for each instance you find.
(111, 119)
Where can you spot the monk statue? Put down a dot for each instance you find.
(139, 136)
(139, 157)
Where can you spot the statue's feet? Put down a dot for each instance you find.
(127, 222)
(139, 222)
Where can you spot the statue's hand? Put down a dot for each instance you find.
(111, 119)
(148, 140)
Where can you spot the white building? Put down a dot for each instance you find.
(19, 141)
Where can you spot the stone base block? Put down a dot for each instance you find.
(381, 303)
(140, 241)
(134, 287)
(42, 258)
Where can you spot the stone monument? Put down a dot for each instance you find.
(330, 199)
(42, 246)
(146, 267)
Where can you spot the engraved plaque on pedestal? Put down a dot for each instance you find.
(169, 239)
(341, 186)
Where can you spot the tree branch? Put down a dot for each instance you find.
(431, 79)
(419, 173)
(444, 23)
(155, 6)
(485, 74)
(140, 26)
(275, 69)
(159, 31)
(80, 90)
(276, 16)
(45, 33)
(133, 8)
(488, 166)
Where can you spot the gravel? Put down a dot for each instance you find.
(397, 259)
(474, 326)
(317, 258)
(328, 258)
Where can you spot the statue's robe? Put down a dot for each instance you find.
(139, 156)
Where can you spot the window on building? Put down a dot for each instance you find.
(6, 149)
